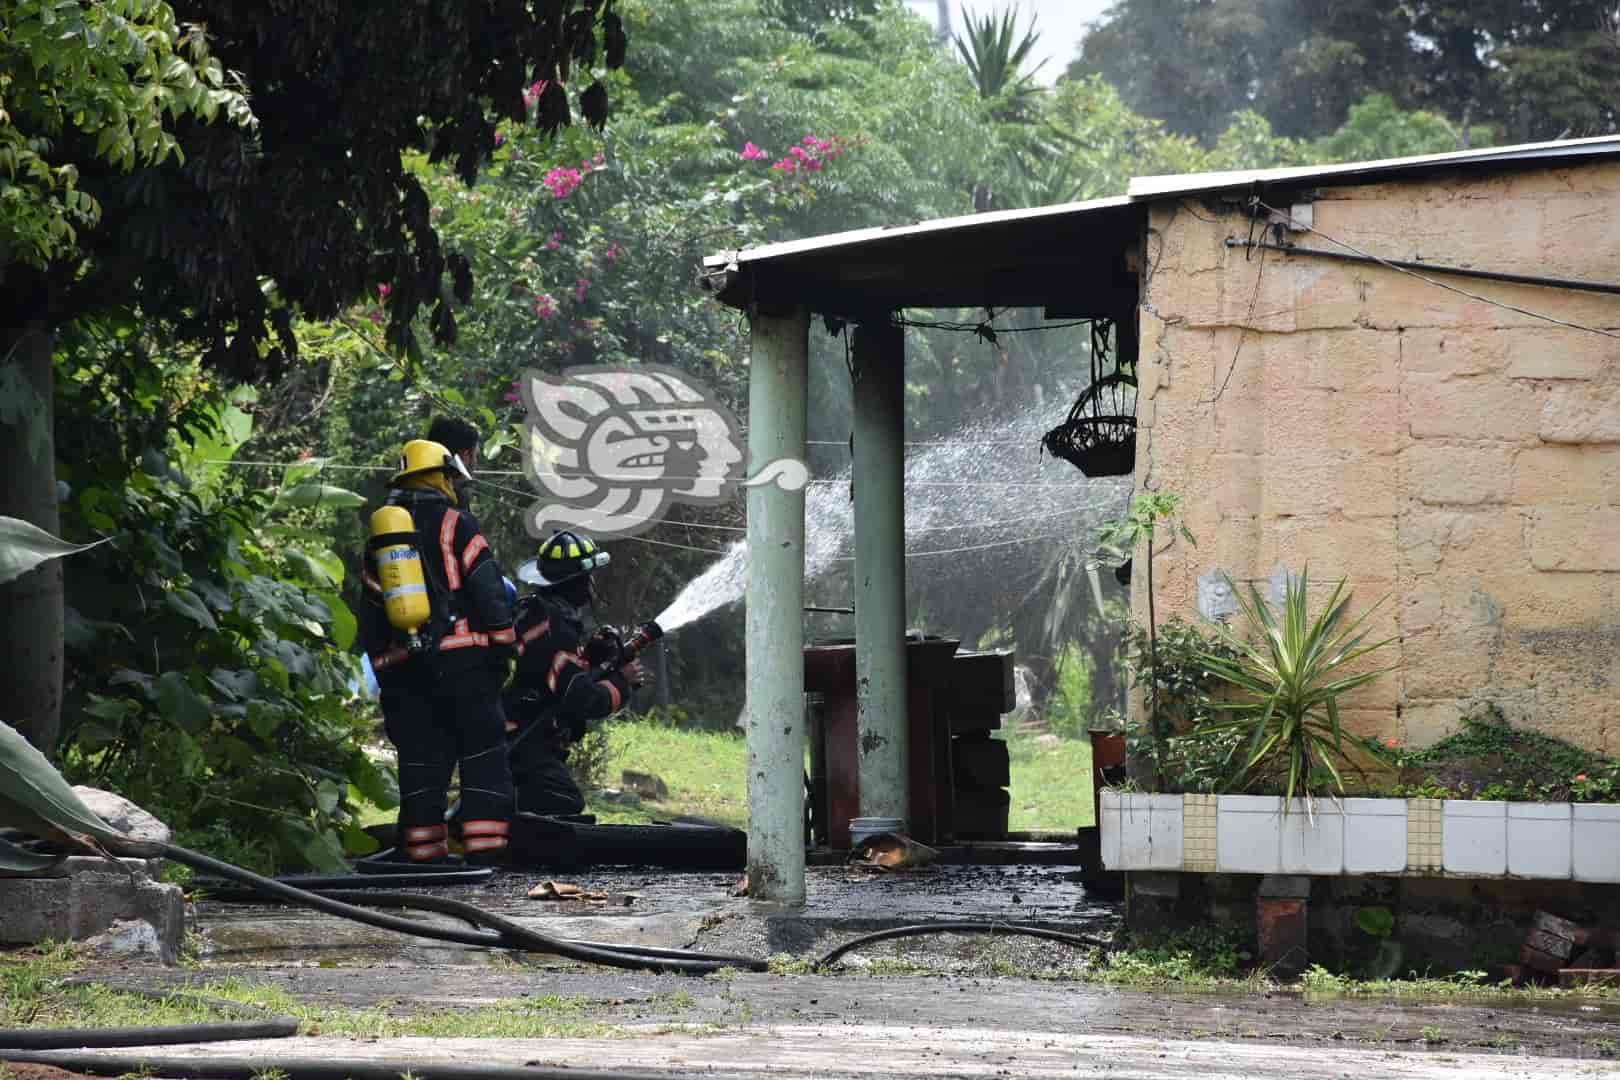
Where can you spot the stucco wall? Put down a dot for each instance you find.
(1457, 456)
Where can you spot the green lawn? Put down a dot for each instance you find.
(706, 775)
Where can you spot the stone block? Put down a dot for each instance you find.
(1562, 474)
(1575, 538)
(1581, 413)
(1438, 664)
(1374, 836)
(1354, 359)
(1427, 722)
(1474, 837)
(1451, 351)
(1555, 353)
(1477, 407)
(1457, 475)
(1538, 840)
(1596, 842)
(1249, 834)
(85, 904)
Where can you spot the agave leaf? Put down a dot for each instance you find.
(16, 860)
(24, 546)
(34, 797)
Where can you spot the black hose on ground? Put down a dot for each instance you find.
(244, 1068)
(263, 1025)
(507, 934)
(1079, 941)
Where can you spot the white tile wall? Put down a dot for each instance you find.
(1312, 839)
(1596, 846)
(1475, 837)
(1374, 836)
(1146, 832)
(1538, 840)
(1248, 837)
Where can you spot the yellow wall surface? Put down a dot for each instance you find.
(1458, 457)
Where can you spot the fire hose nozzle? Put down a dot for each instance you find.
(644, 635)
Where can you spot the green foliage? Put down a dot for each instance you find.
(996, 56)
(1528, 71)
(1489, 758)
(1378, 128)
(1291, 680)
(113, 73)
(1181, 687)
(207, 665)
(24, 546)
(1068, 707)
(1200, 955)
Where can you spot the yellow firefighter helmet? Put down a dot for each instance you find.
(424, 464)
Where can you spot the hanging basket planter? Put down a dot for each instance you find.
(1099, 437)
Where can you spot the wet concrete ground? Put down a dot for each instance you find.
(954, 1013)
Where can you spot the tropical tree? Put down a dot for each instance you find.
(996, 55)
(297, 215)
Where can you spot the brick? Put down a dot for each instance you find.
(1280, 927)
(1458, 475)
(1562, 474)
(1569, 538)
(1477, 407)
(1581, 413)
(1367, 360)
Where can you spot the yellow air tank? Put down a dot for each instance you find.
(399, 571)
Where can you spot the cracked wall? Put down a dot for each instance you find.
(1458, 456)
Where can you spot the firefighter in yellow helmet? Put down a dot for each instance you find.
(440, 669)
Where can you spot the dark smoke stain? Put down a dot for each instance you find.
(871, 742)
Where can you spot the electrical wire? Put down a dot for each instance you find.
(1528, 313)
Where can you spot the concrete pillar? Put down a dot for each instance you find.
(777, 390)
(880, 571)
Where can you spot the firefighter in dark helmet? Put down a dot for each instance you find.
(561, 683)
(438, 629)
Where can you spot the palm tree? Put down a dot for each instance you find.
(995, 56)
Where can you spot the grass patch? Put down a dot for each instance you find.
(34, 996)
(1051, 785)
(707, 777)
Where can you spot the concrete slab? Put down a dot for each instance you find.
(799, 1050)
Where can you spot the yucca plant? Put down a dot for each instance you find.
(1289, 680)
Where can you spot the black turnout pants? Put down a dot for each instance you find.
(436, 721)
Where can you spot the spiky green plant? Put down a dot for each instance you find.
(1290, 679)
(995, 56)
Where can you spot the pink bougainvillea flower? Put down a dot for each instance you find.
(513, 399)
(600, 159)
(376, 317)
(531, 96)
(384, 291)
(799, 153)
(813, 165)
(750, 152)
(545, 305)
(579, 290)
(1391, 743)
(563, 182)
(556, 240)
(612, 252)
(500, 137)
(1580, 776)
(786, 165)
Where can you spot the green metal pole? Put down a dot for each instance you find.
(880, 571)
(778, 384)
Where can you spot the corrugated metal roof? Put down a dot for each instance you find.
(1149, 188)
(964, 224)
